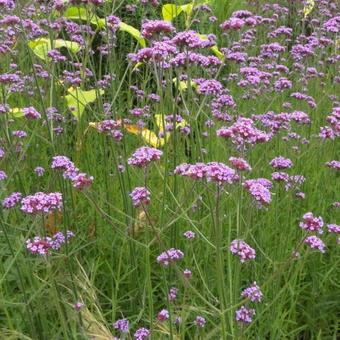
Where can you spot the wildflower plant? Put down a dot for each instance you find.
(169, 169)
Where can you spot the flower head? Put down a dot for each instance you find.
(171, 255)
(311, 223)
(253, 293)
(122, 325)
(245, 314)
(315, 243)
(140, 196)
(242, 250)
(144, 155)
(42, 202)
(200, 321)
(141, 334)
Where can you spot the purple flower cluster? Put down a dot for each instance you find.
(152, 28)
(142, 334)
(43, 245)
(334, 165)
(31, 113)
(242, 250)
(311, 223)
(213, 172)
(200, 321)
(3, 175)
(189, 235)
(80, 180)
(122, 325)
(315, 243)
(172, 293)
(240, 164)
(220, 173)
(144, 155)
(41, 202)
(259, 190)
(140, 196)
(111, 128)
(281, 163)
(253, 293)
(245, 315)
(169, 256)
(12, 200)
(163, 315)
(244, 131)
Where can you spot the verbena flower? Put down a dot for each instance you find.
(140, 196)
(163, 315)
(333, 228)
(3, 175)
(245, 315)
(334, 164)
(44, 245)
(169, 256)
(200, 321)
(144, 155)
(258, 189)
(152, 28)
(242, 250)
(189, 235)
(315, 243)
(240, 164)
(141, 334)
(41, 202)
(39, 171)
(122, 325)
(281, 163)
(173, 293)
(12, 200)
(253, 293)
(31, 113)
(311, 223)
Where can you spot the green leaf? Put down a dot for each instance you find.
(42, 46)
(16, 112)
(183, 85)
(187, 8)
(171, 11)
(77, 100)
(133, 32)
(83, 14)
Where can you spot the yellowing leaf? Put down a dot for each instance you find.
(147, 135)
(183, 85)
(137, 66)
(160, 122)
(16, 112)
(77, 100)
(187, 8)
(133, 32)
(83, 14)
(42, 46)
(214, 48)
(171, 11)
(151, 138)
(308, 8)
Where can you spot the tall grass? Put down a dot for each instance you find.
(110, 265)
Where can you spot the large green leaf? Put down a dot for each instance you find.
(171, 11)
(42, 46)
(16, 112)
(133, 32)
(83, 14)
(77, 99)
